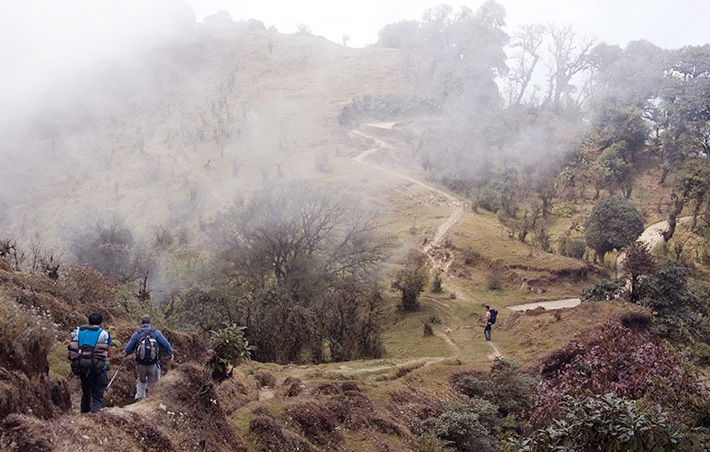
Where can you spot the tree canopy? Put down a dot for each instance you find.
(613, 224)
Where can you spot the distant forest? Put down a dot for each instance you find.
(544, 116)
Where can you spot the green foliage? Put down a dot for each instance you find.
(679, 314)
(608, 423)
(229, 348)
(466, 425)
(638, 261)
(489, 199)
(412, 279)
(571, 247)
(614, 172)
(613, 224)
(506, 386)
(607, 289)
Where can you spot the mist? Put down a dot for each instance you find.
(136, 125)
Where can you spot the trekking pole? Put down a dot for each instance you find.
(114, 375)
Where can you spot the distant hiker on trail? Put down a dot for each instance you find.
(147, 342)
(491, 315)
(89, 348)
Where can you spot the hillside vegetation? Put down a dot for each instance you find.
(351, 212)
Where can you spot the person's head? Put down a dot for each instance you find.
(145, 319)
(95, 319)
(487, 307)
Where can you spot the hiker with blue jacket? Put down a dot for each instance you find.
(89, 349)
(147, 343)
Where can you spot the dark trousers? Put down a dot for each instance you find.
(487, 332)
(92, 391)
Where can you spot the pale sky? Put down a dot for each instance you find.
(666, 23)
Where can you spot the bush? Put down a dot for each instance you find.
(618, 360)
(468, 425)
(571, 247)
(607, 423)
(494, 280)
(412, 279)
(470, 257)
(229, 348)
(489, 199)
(436, 284)
(427, 329)
(505, 385)
(604, 290)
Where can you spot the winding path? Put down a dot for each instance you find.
(456, 204)
(652, 236)
(433, 247)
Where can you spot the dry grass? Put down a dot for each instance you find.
(528, 336)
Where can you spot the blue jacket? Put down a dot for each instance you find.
(159, 338)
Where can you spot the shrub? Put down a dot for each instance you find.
(468, 425)
(427, 329)
(505, 385)
(571, 247)
(229, 348)
(412, 279)
(603, 290)
(619, 361)
(470, 257)
(489, 199)
(265, 378)
(607, 423)
(494, 280)
(436, 284)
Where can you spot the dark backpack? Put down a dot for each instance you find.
(494, 314)
(148, 348)
(87, 358)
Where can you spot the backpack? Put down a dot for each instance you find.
(494, 314)
(147, 350)
(89, 357)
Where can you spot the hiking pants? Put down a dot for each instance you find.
(148, 375)
(487, 332)
(92, 391)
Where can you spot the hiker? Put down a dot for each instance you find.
(147, 342)
(89, 348)
(491, 315)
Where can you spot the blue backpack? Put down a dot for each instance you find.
(85, 354)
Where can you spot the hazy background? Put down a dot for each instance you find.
(667, 24)
(45, 41)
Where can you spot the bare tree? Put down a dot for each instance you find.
(526, 42)
(569, 58)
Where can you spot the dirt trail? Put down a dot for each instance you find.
(651, 236)
(433, 247)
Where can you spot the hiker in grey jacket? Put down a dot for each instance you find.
(147, 343)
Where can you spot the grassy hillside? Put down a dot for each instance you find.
(163, 143)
